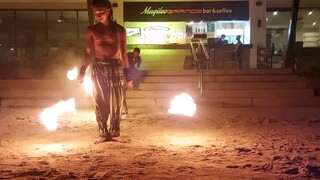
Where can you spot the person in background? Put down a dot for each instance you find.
(238, 39)
(110, 69)
(237, 52)
(134, 66)
(222, 41)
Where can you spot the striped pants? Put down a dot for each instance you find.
(107, 79)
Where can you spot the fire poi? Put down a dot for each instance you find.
(49, 116)
(183, 104)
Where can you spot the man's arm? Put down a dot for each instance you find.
(123, 48)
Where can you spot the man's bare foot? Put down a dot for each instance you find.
(101, 139)
(121, 140)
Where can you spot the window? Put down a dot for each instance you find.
(62, 27)
(277, 31)
(7, 35)
(308, 30)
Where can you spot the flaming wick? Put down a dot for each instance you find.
(183, 104)
(50, 115)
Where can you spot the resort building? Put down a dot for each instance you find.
(35, 31)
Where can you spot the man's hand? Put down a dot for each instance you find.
(128, 84)
(80, 80)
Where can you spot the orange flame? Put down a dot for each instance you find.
(73, 74)
(50, 115)
(183, 104)
(87, 84)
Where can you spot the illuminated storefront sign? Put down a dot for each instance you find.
(156, 29)
(133, 32)
(186, 11)
(156, 32)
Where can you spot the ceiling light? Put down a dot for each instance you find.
(275, 13)
(310, 13)
(313, 24)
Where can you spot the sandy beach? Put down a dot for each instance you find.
(217, 143)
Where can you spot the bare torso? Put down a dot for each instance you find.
(106, 41)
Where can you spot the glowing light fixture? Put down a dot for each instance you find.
(275, 13)
(314, 23)
(310, 13)
(190, 23)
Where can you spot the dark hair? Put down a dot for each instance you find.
(136, 50)
(101, 3)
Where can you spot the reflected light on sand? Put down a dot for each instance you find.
(179, 140)
(59, 148)
(54, 147)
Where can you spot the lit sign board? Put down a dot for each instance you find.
(186, 11)
(156, 29)
(156, 32)
(133, 32)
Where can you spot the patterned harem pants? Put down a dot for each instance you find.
(107, 79)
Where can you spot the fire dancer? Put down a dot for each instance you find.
(107, 40)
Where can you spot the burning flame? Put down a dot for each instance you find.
(87, 83)
(50, 115)
(183, 104)
(73, 74)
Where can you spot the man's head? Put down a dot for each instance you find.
(136, 52)
(223, 36)
(102, 10)
(238, 37)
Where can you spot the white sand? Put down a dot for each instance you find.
(219, 143)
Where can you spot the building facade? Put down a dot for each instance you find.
(35, 29)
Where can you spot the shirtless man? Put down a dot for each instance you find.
(107, 40)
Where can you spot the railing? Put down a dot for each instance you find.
(201, 60)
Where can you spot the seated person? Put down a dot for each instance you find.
(134, 66)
